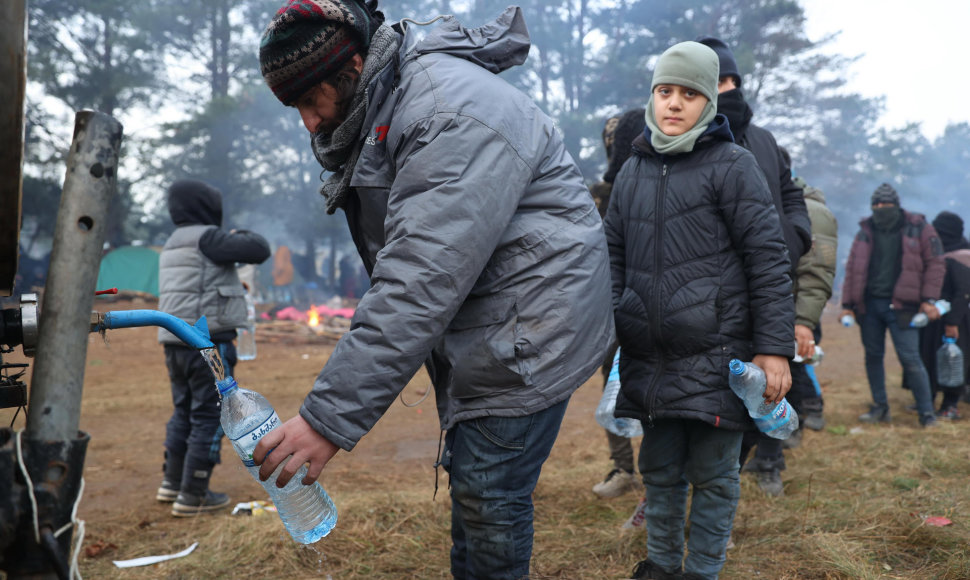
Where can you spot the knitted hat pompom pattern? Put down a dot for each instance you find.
(310, 40)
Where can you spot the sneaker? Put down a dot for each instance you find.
(167, 492)
(928, 422)
(794, 440)
(950, 414)
(188, 505)
(876, 414)
(814, 421)
(617, 483)
(647, 570)
(770, 483)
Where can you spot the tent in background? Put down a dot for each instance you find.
(130, 268)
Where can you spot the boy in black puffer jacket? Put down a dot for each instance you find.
(700, 275)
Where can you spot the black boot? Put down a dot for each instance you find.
(172, 480)
(194, 496)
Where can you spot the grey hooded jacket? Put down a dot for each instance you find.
(486, 253)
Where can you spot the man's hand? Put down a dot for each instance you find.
(930, 310)
(297, 441)
(951, 331)
(778, 375)
(806, 341)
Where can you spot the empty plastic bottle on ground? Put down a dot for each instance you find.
(748, 382)
(622, 426)
(921, 319)
(306, 510)
(949, 364)
(246, 336)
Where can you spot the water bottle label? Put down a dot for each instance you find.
(778, 417)
(245, 443)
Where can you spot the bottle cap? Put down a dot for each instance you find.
(226, 385)
(736, 366)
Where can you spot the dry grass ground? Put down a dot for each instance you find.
(854, 506)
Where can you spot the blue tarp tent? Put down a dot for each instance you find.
(131, 268)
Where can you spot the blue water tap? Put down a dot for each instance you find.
(195, 336)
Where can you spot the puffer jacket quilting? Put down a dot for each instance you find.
(922, 272)
(700, 276)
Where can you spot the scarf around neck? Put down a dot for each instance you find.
(337, 152)
(683, 143)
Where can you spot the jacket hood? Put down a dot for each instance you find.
(496, 46)
(192, 202)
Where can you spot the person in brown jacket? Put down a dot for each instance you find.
(895, 269)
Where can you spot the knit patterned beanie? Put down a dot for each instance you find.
(884, 194)
(310, 40)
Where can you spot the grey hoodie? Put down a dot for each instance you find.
(486, 253)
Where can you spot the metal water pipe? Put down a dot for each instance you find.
(90, 184)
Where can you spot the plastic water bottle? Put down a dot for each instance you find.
(949, 364)
(748, 382)
(921, 319)
(815, 358)
(622, 426)
(307, 511)
(847, 320)
(246, 335)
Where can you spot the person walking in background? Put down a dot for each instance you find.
(955, 323)
(484, 247)
(895, 269)
(618, 135)
(197, 277)
(700, 276)
(789, 201)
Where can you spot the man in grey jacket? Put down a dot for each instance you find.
(486, 255)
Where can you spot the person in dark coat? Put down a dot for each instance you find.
(700, 276)
(197, 277)
(956, 322)
(789, 201)
(618, 135)
(895, 269)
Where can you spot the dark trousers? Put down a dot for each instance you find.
(193, 435)
(493, 465)
(675, 456)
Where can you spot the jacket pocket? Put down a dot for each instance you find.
(632, 324)
(232, 305)
(479, 346)
(692, 318)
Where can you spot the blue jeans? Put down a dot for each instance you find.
(673, 454)
(494, 464)
(878, 318)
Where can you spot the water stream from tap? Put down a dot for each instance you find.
(211, 356)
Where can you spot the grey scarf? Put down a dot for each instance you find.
(337, 152)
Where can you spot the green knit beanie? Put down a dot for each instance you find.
(310, 40)
(688, 64)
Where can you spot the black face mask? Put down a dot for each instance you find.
(886, 218)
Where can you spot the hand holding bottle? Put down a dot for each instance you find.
(777, 376)
(294, 438)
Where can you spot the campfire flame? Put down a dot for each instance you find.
(313, 318)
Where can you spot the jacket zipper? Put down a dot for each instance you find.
(654, 301)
